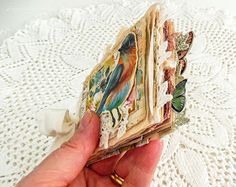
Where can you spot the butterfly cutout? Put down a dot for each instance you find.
(179, 99)
(183, 45)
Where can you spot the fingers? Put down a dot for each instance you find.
(106, 167)
(91, 178)
(65, 163)
(138, 166)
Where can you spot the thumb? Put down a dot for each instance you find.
(65, 163)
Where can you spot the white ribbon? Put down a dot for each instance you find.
(57, 123)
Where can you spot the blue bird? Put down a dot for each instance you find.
(121, 80)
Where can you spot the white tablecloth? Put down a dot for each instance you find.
(42, 66)
(14, 13)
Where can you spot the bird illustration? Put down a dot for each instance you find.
(121, 79)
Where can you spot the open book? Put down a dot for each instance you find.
(138, 86)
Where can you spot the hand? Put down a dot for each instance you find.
(66, 165)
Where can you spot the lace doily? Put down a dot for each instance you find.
(43, 66)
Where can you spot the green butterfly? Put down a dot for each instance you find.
(178, 101)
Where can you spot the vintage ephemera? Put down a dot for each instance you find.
(138, 86)
(137, 89)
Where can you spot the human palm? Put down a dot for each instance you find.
(66, 166)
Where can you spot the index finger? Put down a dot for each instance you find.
(137, 166)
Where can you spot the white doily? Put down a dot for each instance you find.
(43, 66)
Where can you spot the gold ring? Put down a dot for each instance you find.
(116, 178)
